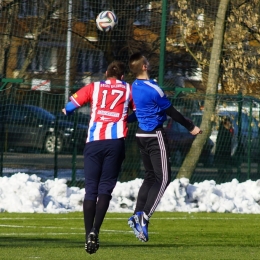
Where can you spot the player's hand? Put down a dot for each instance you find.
(196, 131)
(64, 111)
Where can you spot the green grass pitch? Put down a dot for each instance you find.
(194, 236)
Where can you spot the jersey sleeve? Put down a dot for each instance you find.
(131, 104)
(70, 107)
(178, 117)
(83, 95)
(161, 100)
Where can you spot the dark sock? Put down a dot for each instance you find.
(89, 209)
(101, 210)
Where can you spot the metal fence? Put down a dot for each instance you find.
(37, 139)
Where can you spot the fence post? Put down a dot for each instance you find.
(249, 141)
(258, 164)
(74, 155)
(162, 43)
(4, 82)
(240, 100)
(2, 134)
(2, 142)
(55, 149)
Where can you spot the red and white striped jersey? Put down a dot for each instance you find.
(109, 101)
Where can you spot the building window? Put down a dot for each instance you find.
(86, 11)
(91, 61)
(30, 8)
(45, 59)
(89, 9)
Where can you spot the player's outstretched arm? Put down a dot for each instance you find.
(178, 117)
(69, 108)
(64, 111)
(196, 130)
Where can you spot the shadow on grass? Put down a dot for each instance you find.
(70, 243)
(79, 243)
(38, 242)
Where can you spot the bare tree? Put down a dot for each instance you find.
(10, 8)
(192, 158)
(42, 24)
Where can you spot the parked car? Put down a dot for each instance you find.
(34, 127)
(249, 133)
(78, 117)
(180, 141)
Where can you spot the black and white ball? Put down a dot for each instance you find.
(106, 21)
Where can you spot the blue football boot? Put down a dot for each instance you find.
(139, 223)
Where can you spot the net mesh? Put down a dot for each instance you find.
(32, 139)
(53, 39)
(55, 47)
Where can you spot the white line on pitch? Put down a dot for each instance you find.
(39, 234)
(38, 218)
(66, 233)
(157, 218)
(16, 226)
(172, 218)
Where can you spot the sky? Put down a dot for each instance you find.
(26, 193)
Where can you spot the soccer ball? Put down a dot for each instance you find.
(106, 21)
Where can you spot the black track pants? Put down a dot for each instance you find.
(155, 155)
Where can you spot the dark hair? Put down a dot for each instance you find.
(116, 69)
(226, 120)
(136, 62)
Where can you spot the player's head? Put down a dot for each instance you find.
(138, 63)
(227, 123)
(116, 69)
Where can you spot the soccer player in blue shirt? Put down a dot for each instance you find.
(151, 110)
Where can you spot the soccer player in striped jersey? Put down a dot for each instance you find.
(104, 151)
(151, 110)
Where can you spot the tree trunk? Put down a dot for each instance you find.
(192, 157)
(6, 38)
